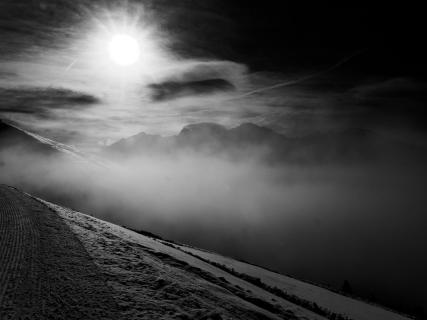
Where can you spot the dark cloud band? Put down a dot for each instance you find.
(43, 101)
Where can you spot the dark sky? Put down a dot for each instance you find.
(288, 34)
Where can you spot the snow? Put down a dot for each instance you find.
(76, 219)
(353, 308)
(38, 278)
(149, 288)
(92, 231)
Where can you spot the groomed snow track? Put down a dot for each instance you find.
(45, 272)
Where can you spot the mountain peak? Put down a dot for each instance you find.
(203, 128)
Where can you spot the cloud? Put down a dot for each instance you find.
(397, 102)
(173, 89)
(189, 70)
(192, 78)
(57, 113)
(43, 101)
(7, 74)
(392, 89)
(393, 105)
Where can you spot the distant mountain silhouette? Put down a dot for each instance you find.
(350, 145)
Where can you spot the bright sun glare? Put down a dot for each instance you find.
(123, 49)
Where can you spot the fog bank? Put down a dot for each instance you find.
(363, 223)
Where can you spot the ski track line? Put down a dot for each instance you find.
(45, 272)
(13, 230)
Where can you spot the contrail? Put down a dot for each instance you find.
(310, 76)
(71, 65)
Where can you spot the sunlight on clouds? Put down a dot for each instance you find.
(137, 50)
(84, 63)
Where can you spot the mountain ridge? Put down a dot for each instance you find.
(349, 145)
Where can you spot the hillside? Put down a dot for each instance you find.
(17, 140)
(62, 264)
(13, 137)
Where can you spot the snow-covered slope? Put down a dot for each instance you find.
(11, 135)
(226, 287)
(116, 249)
(341, 304)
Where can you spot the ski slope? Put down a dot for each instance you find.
(61, 264)
(95, 234)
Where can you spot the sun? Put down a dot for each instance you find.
(124, 49)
